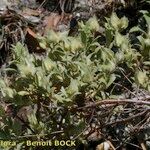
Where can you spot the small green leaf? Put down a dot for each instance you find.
(111, 80)
(23, 93)
(93, 24)
(83, 37)
(114, 20)
(73, 87)
(117, 23)
(141, 77)
(119, 39)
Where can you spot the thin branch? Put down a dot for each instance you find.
(117, 102)
(39, 135)
(125, 89)
(126, 76)
(129, 118)
(111, 145)
(43, 3)
(25, 124)
(133, 145)
(86, 127)
(143, 146)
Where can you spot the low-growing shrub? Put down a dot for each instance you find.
(46, 91)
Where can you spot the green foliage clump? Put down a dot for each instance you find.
(73, 72)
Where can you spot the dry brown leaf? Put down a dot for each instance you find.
(103, 146)
(31, 12)
(51, 21)
(32, 42)
(29, 31)
(100, 146)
